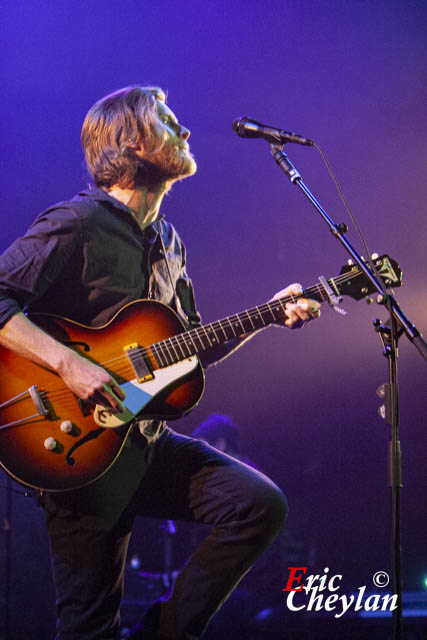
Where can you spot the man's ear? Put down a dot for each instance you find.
(135, 146)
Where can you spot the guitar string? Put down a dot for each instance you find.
(182, 338)
(57, 391)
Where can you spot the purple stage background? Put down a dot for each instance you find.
(351, 76)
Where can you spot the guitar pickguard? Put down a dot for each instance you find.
(139, 394)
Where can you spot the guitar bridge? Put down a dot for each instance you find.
(38, 401)
(138, 362)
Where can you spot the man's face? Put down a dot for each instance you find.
(174, 160)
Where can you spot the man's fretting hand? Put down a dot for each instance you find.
(302, 311)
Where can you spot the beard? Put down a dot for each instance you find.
(169, 164)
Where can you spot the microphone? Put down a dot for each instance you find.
(248, 128)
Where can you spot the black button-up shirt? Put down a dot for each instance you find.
(86, 258)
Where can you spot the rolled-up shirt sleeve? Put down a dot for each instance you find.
(33, 262)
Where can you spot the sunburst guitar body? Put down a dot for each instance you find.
(52, 440)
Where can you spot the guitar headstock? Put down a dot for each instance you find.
(356, 284)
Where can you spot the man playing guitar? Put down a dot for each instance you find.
(87, 259)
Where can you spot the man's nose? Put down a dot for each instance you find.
(184, 133)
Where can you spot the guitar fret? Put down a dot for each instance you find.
(334, 286)
(211, 327)
(184, 336)
(323, 294)
(176, 340)
(250, 319)
(197, 334)
(170, 358)
(271, 311)
(175, 358)
(194, 344)
(231, 327)
(241, 323)
(168, 353)
(280, 301)
(207, 335)
(157, 354)
(223, 330)
(261, 316)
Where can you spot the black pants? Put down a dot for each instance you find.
(185, 480)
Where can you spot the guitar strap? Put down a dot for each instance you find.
(152, 429)
(177, 301)
(159, 231)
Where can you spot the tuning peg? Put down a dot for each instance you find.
(374, 256)
(350, 262)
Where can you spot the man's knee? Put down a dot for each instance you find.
(271, 508)
(277, 510)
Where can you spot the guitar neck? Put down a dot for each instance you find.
(195, 341)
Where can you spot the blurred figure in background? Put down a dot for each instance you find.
(221, 432)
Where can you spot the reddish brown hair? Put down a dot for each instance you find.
(112, 129)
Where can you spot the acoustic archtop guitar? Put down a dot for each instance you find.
(52, 440)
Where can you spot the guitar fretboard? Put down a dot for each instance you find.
(195, 341)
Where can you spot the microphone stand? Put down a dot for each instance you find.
(390, 391)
